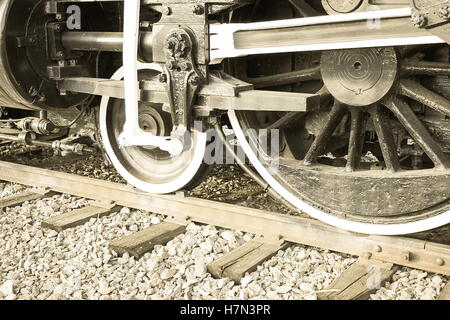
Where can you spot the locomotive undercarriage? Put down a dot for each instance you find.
(358, 91)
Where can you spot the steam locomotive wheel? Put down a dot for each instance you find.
(371, 159)
(147, 168)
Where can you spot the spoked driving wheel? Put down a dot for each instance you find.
(374, 157)
(150, 168)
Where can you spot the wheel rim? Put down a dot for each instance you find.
(337, 193)
(147, 168)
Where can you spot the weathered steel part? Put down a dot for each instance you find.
(424, 255)
(383, 128)
(419, 133)
(430, 68)
(432, 15)
(324, 176)
(356, 140)
(347, 31)
(318, 177)
(26, 67)
(285, 78)
(106, 41)
(359, 77)
(416, 91)
(183, 81)
(304, 8)
(147, 167)
(339, 6)
(382, 196)
(220, 94)
(318, 147)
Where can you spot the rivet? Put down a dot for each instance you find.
(419, 20)
(440, 262)
(444, 13)
(167, 11)
(367, 255)
(163, 78)
(406, 255)
(194, 80)
(198, 9)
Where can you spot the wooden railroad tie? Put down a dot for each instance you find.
(79, 216)
(359, 281)
(19, 198)
(445, 293)
(139, 243)
(245, 258)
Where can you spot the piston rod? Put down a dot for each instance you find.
(106, 41)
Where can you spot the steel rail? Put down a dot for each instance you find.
(419, 254)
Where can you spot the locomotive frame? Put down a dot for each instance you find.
(326, 69)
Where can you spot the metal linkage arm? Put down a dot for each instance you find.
(380, 28)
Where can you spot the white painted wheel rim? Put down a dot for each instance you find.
(181, 180)
(360, 227)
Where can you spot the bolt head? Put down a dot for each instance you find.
(194, 80)
(367, 255)
(167, 11)
(198, 9)
(444, 13)
(185, 66)
(419, 20)
(171, 65)
(162, 78)
(440, 262)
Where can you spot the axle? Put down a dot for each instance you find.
(106, 41)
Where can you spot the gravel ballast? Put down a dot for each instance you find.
(77, 264)
(36, 263)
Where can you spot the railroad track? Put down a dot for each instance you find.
(383, 253)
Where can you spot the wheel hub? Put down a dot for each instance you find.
(151, 121)
(359, 77)
(339, 6)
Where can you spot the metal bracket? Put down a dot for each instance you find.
(433, 15)
(183, 81)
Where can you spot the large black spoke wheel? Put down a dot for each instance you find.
(374, 158)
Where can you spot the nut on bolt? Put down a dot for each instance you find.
(162, 78)
(167, 11)
(444, 13)
(440, 261)
(198, 9)
(171, 65)
(418, 20)
(194, 80)
(185, 66)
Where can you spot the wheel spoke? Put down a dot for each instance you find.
(386, 140)
(426, 68)
(285, 120)
(320, 143)
(285, 78)
(304, 8)
(356, 139)
(418, 132)
(416, 91)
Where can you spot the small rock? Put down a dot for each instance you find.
(155, 220)
(168, 273)
(125, 210)
(228, 235)
(7, 288)
(246, 280)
